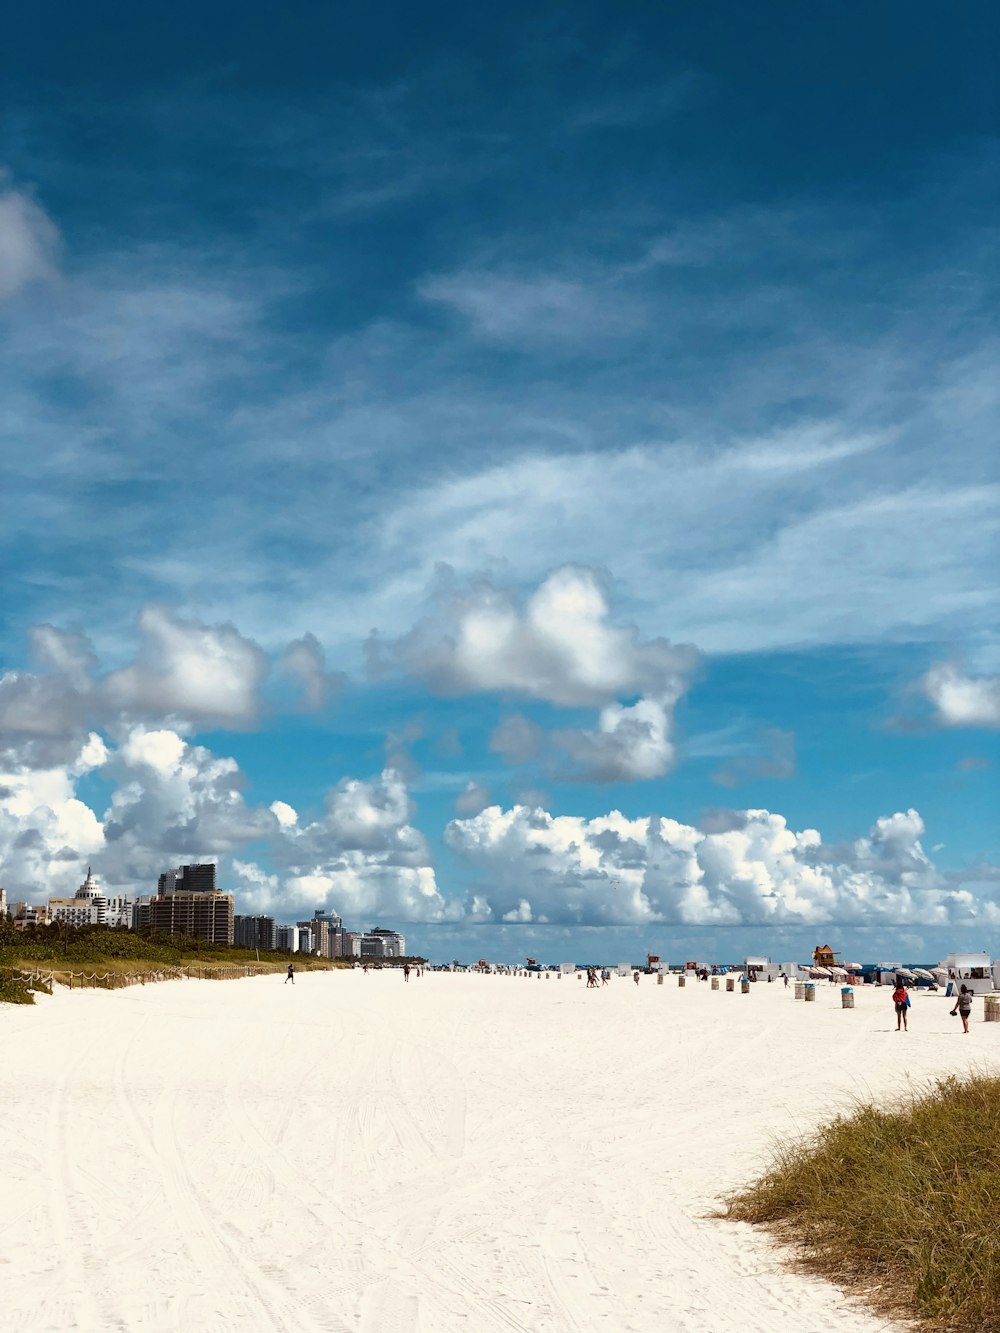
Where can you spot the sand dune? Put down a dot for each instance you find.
(459, 1153)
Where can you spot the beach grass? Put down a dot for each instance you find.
(116, 955)
(900, 1202)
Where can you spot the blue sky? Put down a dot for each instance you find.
(526, 477)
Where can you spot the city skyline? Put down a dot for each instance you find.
(511, 475)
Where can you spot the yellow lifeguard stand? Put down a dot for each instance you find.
(823, 956)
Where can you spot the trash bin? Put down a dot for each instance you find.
(715, 983)
(810, 988)
(846, 997)
(681, 979)
(800, 990)
(659, 978)
(730, 983)
(991, 1008)
(745, 987)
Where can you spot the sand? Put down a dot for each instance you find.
(457, 1153)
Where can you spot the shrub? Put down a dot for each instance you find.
(16, 989)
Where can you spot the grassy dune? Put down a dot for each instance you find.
(902, 1202)
(101, 950)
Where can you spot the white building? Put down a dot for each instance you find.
(381, 943)
(90, 907)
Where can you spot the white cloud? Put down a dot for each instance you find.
(174, 802)
(285, 814)
(752, 870)
(561, 647)
(629, 744)
(46, 833)
(962, 700)
(535, 309)
(29, 242)
(193, 672)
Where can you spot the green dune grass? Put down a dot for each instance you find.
(901, 1203)
(121, 953)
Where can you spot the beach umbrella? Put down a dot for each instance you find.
(853, 967)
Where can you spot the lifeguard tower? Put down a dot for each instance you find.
(823, 956)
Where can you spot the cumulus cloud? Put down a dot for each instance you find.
(962, 700)
(46, 833)
(175, 801)
(561, 647)
(205, 674)
(751, 870)
(628, 744)
(362, 857)
(186, 674)
(29, 242)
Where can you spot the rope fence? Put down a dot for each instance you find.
(117, 980)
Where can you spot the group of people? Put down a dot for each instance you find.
(901, 1001)
(592, 975)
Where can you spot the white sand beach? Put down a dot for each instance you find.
(462, 1152)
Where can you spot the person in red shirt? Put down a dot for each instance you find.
(901, 1000)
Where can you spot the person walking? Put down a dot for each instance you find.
(406, 971)
(963, 1007)
(290, 974)
(635, 977)
(901, 999)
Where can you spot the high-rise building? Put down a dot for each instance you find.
(320, 935)
(207, 916)
(3, 902)
(254, 932)
(381, 943)
(187, 879)
(287, 938)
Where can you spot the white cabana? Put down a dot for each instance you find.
(975, 971)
